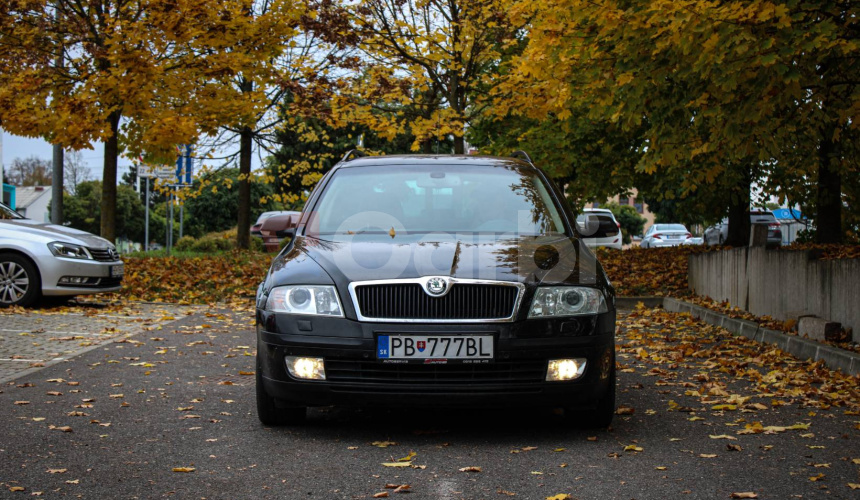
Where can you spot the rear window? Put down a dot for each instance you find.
(757, 217)
(670, 227)
(593, 219)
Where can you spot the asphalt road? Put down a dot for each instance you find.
(125, 420)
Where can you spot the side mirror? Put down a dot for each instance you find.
(277, 227)
(596, 226)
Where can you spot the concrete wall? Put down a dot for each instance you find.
(781, 284)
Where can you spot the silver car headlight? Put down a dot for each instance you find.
(567, 301)
(321, 300)
(69, 250)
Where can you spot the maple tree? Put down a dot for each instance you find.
(768, 88)
(134, 74)
(424, 62)
(303, 45)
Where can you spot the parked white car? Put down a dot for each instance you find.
(39, 259)
(591, 217)
(666, 235)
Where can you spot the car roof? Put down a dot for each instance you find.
(597, 210)
(365, 161)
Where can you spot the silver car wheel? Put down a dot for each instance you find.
(14, 282)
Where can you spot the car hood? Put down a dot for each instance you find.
(550, 259)
(30, 229)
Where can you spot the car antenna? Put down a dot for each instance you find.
(522, 155)
(353, 153)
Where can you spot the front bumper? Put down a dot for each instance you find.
(667, 243)
(52, 269)
(514, 378)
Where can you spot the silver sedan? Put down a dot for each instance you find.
(666, 235)
(38, 259)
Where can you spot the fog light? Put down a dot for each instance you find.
(306, 368)
(565, 369)
(73, 280)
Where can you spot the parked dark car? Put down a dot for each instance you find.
(256, 228)
(719, 233)
(455, 281)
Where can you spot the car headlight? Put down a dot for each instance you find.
(305, 299)
(567, 301)
(70, 250)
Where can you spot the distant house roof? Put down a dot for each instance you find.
(26, 196)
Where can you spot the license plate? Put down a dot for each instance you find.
(435, 347)
(117, 271)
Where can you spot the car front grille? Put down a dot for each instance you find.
(465, 301)
(104, 254)
(374, 376)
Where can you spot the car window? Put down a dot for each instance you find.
(669, 227)
(423, 199)
(762, 217)
(7, 213)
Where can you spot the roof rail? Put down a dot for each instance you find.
(522, 155)
(352, 153)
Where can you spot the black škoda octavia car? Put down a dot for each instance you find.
(436, 280)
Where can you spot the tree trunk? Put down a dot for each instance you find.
(829, 217)
(459, 145)
(739, 218)
(243, 236)
(108, 203)
(427, 146)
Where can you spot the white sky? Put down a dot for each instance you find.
(22, 147)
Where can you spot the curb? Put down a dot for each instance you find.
(834, 358)
(631, 302)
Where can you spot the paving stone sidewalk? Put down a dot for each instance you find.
(37, 338)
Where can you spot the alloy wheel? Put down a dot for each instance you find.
(14, 282)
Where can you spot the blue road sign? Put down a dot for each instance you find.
(787, 214)
(184, 163)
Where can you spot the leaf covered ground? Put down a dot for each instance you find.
(202, 279)
(170, 413)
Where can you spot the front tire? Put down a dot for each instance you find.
(20, 284)
(268, 411)
(601, 416)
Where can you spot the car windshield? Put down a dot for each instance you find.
(8, 213)
(670, 227)
(423, 199)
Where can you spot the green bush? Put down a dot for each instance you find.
(631, 222)
(185, 243)
(257, 244)
(206, 245)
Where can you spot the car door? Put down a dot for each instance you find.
(646, 241)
